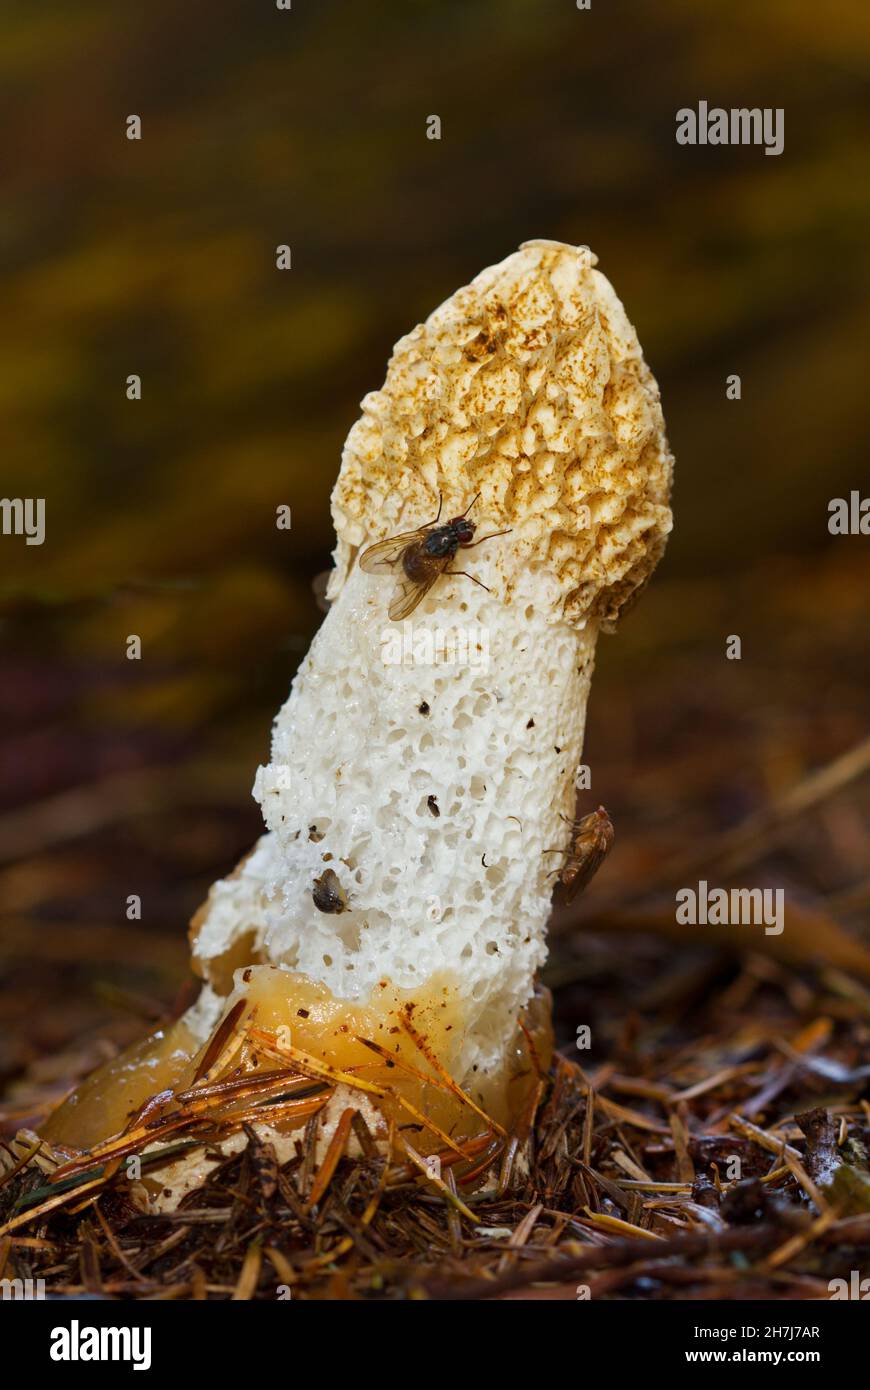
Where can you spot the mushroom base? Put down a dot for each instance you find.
(394, 1051)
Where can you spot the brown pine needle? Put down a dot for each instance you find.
(519, 1136)
(249, 1274)
(627, 1116)
(273, 1114)
(336, 1148)
(20, 1163)
(494, 1149)
(33, 1213)
(220, 1041)
(115, 1247)
(442, 1071)
(533, 1051)
(641, 1179)
(424, 1120)
(618, 1227)
(420, 1162)
(448, 1087)
(199, 1105)
(312, 1066)
(799, 1242)
(761, 1137)
(402, 1064)
(283, 1268)
(799, 1172)
(285, 1078)
(149, 1107)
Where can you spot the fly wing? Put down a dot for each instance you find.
(384, 556)
(590, 862)
(410, 591)
(591, 848)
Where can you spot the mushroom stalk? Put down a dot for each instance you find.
(422, 771)
(429, 764)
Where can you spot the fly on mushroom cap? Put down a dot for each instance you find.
(529, 387)
(419, 558)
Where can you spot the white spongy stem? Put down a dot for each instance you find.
(427, 778)
(378, 734)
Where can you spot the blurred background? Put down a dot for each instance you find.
(157, 257)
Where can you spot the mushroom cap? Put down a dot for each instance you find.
(529, 387)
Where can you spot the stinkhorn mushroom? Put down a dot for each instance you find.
(396, 905)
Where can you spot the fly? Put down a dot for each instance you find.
(422, 556)
(591, 841)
